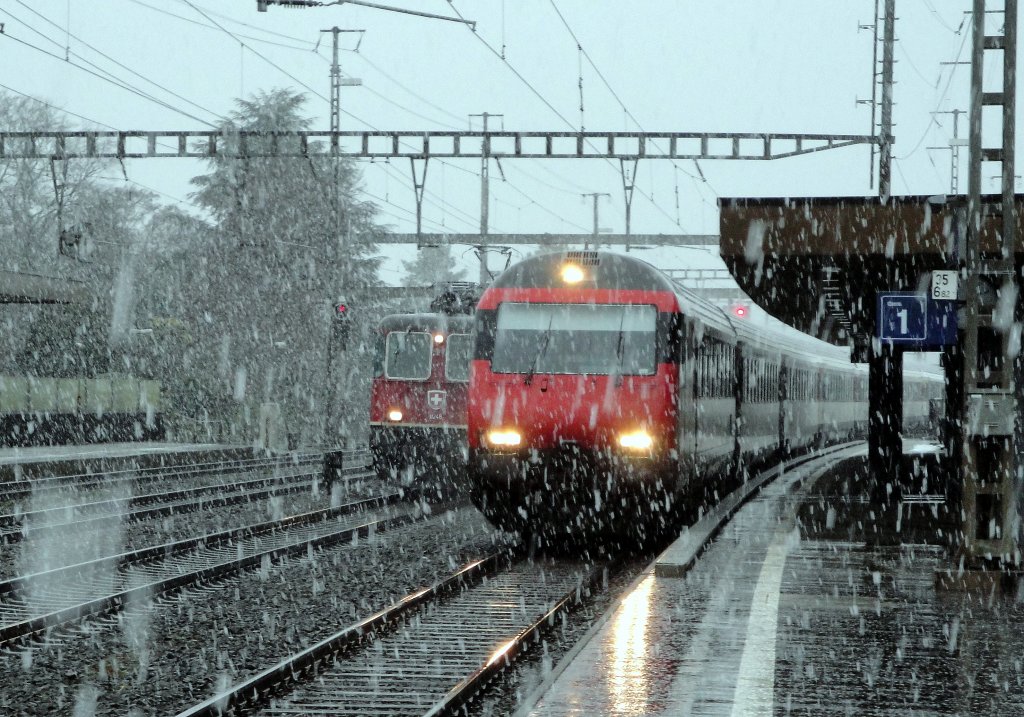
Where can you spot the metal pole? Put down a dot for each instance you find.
(595, 196)
(971, 260)
(1012, 280)
(485, 189)
(1009, 128)
(874, 88)
(332, 392)
(485, 201)
(954, 155)
(885, 151)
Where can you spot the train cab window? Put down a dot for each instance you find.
(459, 353)
(378, 356)
(576, 339)
(407, 355)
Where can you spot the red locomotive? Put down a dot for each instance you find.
(604, 398)
(418, 396)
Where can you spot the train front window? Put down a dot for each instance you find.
(459, 353)
(575, 339)
(407, 355)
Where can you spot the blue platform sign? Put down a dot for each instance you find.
(915, 320)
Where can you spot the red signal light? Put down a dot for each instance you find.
(740, 311)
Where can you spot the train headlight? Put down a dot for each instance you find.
(636, 441)
(572, 274)
(439, 339)
(504, 438)
(394, 415)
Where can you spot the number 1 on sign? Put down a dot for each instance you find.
(904, 328)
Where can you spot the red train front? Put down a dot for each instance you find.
(573, 394)
(418, 397)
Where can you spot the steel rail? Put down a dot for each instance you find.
(250, 695)
(457, 699)
(95, 508)
(463, 693)
(257, 692)
(24, 630)
(12, 490)
(173, 508)
(166, 550)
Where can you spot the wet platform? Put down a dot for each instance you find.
(17, 462)
(810, 601)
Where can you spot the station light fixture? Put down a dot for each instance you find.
(395, 415)
(636, 440)
(504, 438)
(572, 274)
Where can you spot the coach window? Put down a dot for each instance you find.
(456, 362)
(408, 355)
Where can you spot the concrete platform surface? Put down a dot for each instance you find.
(786, 614)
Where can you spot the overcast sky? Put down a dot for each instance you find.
(722, 66)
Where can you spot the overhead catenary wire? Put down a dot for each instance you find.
(193, 21)
(607, 84)
(107, 77)
(547, 103)
(313, 47)
(933, 119)
(273, 64)
(214, 25)
(107, 57)
(435, 200)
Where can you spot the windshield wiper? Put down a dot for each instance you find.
(620, 350)
(545, 339)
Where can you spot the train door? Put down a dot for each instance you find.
(687, 409)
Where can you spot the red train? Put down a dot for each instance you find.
(418, 395)
(604, 398)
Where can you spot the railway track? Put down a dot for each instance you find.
(437, 649)
(15, 526)
(11, 491)
(32, 605)
(429, 653)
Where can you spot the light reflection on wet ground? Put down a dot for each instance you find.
(859, 630)
(676, 644)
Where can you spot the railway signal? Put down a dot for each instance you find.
(342, 324)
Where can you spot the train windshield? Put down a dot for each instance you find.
(459, 353)
(575, 339)
(407, 355)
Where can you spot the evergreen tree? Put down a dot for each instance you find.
(432, 265)
(278, 262)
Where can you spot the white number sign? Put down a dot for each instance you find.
(944, 285)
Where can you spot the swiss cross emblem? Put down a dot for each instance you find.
(436, 400)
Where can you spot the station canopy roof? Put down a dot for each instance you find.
(816, 263)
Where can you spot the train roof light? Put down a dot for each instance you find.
(572, 274)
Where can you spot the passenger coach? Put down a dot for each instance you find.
(603, 397)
